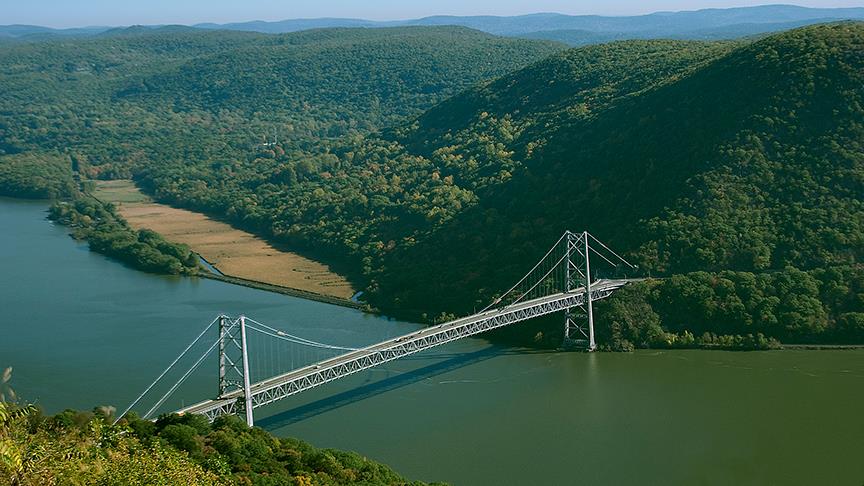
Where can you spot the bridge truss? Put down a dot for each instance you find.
(560, 281)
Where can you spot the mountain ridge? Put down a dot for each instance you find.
(680, 24)
(770, 181)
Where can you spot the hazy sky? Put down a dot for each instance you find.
(71, 13)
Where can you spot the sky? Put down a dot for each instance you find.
(78, 13)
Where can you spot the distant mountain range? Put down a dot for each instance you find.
(571, 29)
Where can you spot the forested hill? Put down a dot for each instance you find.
(345, 79)
(749, 161)
(742, 157)
(133, 97)
(689, 157)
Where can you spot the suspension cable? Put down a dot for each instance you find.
(296, 339)
(316, 345)
(186, 375)
(538, 281)
(162, 375)
(610, 251)
(601, 256)
(527, 274)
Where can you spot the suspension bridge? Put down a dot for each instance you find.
(561, 281)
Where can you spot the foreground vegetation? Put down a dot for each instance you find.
(85, 448)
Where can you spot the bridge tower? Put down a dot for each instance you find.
(234, 363)
(579, 321)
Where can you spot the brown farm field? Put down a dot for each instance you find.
(233, 252)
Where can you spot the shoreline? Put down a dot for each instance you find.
(366, 308)
(212, 272)
(820, 347)
(279, 289)
(232, 254)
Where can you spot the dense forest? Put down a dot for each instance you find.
(748, 161)
(119, 102)
(85, 448)
(733, 170)
(190, 102)
(107, 233)
(36, 176)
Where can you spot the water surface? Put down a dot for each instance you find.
(82, 330)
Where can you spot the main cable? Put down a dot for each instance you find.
(162, 375)
(311, 344)
(277, 333)
(527, 274)
(189, 372)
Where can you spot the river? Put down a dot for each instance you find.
(81, 330)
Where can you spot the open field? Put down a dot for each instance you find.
(233, 252)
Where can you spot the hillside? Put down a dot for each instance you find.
(195, 115)
(161, 95)
(687, 156)
(763, 142)
(344, 79)
(751, 161)
(365, 195)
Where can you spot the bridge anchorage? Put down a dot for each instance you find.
(562, 281)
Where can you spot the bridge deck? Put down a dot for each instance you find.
(301, 379)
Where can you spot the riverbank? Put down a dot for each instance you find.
(146, 250)
(821, 347)
(241, 257)
(287, 291)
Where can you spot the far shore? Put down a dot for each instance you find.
(238, 255)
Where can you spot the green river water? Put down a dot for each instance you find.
(81, 330)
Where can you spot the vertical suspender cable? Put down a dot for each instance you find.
(168, 368)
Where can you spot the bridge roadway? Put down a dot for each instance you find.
(302, 379)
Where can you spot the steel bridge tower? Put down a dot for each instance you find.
(234, 363)
(578, 321)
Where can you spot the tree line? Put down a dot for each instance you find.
(76, 447)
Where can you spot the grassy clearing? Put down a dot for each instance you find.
(232, 251)
(119, 192)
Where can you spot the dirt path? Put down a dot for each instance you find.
(232, 251)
